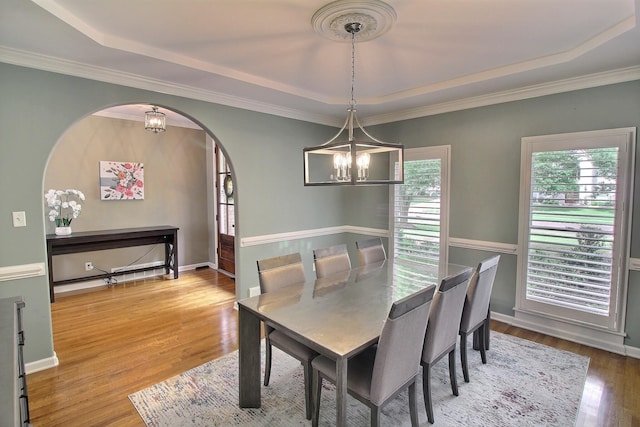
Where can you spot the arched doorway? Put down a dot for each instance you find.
(180, 186)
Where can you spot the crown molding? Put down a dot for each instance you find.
(61, 66)
(567, 85)
(106, 75)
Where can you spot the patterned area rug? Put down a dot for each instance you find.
(522, 384)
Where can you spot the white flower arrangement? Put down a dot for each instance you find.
(65, 205)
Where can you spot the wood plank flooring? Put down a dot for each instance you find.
(115, 341)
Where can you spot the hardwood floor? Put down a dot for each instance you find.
(116, 341)
(611, 396)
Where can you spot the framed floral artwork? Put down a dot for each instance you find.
(121, 180)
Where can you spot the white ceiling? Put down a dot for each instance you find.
(264, 55)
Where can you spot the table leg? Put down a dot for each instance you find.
(52, 296)
(341, 391)
(167, 256)
(175, 255)
(248, 359)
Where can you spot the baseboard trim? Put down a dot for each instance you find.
(123, 276)
(633, 351)
(42, 364)
(607, 345)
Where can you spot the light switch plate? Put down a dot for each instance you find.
(19, 219)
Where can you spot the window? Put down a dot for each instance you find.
(574, 225)
(226, 219)
(420, 208)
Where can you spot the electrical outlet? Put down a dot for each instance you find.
(88, 266)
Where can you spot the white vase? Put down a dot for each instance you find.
(63, 231)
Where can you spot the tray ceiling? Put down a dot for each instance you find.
(265, 55)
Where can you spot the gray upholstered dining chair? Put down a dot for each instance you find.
(277, 273)
(475, 313)
(370, 251)
(331, 260)
(442, 332)
(382, 371)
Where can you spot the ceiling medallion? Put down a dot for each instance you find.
(375, 16)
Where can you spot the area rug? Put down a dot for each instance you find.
(522, 384)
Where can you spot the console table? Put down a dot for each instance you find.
(88, 241)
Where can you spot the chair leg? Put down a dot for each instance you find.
(267, 361)
(413, 404)
(487, 328)
(487, 333)
(316, 382)
(483, 343)
(426, 391)
(308, 387)
(452, 371)
(463, 356)
(375, 416)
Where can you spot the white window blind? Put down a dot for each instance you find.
(574, 226)
(419, 208)
(572, 220)
(417, 213)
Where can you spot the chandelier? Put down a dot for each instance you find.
(353, 160)
(154, 120)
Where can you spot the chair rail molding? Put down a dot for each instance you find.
(14, 272)
(316, 232)
(634, 264)
(505, 248)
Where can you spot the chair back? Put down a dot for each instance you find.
(444, 317)
(331, 260)
(476, 304)
(370, 251)
(278, 272)
(397, 358)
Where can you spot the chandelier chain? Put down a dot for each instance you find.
(353, 67)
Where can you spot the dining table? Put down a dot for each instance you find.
(337, 316)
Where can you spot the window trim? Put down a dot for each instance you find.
(616, 321)
(442, 152)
